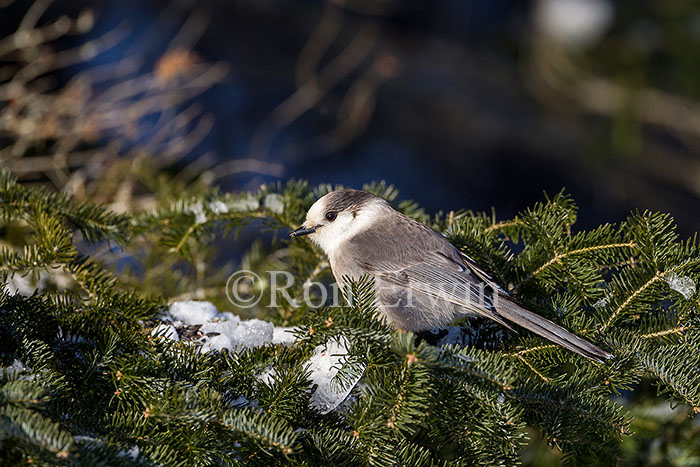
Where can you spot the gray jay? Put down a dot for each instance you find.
(424, 282)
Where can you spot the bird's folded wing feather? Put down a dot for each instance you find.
(432, 266)
(428, 264)
(439, 276)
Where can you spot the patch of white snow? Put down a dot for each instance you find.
(684, 285)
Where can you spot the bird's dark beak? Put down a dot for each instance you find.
(302, 231)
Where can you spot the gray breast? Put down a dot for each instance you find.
(343, 264)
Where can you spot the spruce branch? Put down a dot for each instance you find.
(87, 377)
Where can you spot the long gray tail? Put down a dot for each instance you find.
(514, 313)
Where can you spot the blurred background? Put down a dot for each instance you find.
(458, 103)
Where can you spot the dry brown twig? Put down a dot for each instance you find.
(316, 83)
(71, 135)
(553, 75)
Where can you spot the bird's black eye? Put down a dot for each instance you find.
(330, 216)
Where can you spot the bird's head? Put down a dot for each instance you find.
(339, 216)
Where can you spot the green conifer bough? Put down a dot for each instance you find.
(85, 383)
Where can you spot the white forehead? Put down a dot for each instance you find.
(318, 209)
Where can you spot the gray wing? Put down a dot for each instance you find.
(417, 258)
